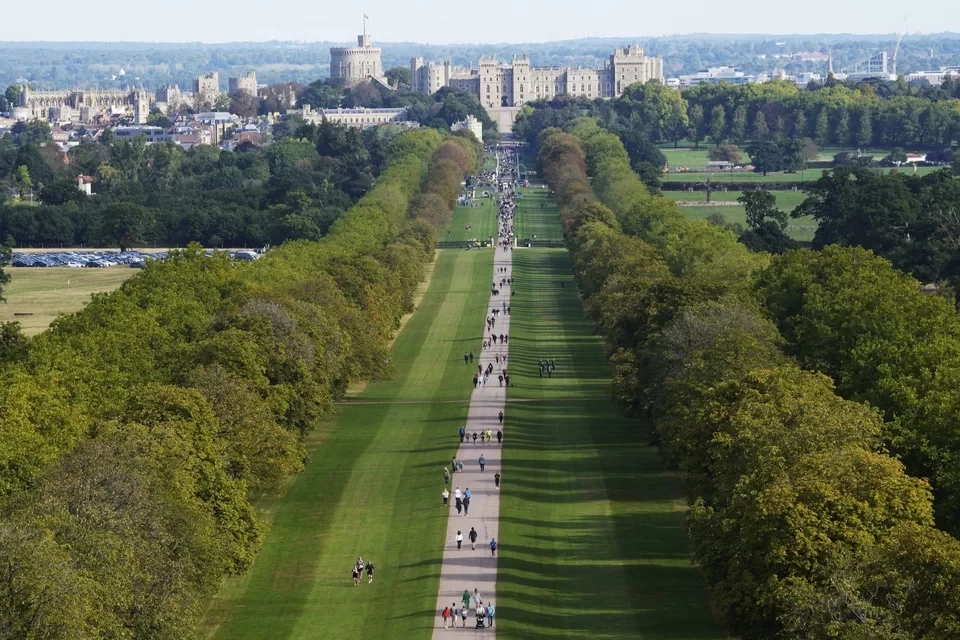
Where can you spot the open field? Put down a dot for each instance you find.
(534, 221)
(48, 292)
(786, 200)
(371, 489)
(801, 229)
(592, 542)
(749, 176)
(482, 221)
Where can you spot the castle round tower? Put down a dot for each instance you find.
(352, 65)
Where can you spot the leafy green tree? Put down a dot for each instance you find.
(23, 181)
(865, 130)
(398, 76)
(125, 224)
(718, 124)
(5, 253)
(760, 130)
(157, 118)
(725, 153)
(738, 125)
(821, 133)
(696, 126)
(766, 156)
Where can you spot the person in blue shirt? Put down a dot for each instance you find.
(493, 547)
(463, 433)
(491, 611)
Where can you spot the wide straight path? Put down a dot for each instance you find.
(372, 489)
(466, 568)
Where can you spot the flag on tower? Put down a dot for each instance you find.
(366, 16)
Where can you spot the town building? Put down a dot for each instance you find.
(359, 118)
(935, 78)
(168, 98)
(206, 87)
(512, 85)
(82, 106)
(472, 125)
(247, 82)
(350, 66)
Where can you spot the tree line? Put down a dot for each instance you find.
(803, 520)
(133, 433)
(159, 194)
(832, 114)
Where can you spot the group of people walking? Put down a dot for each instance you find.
(484, 614)
(358, 571)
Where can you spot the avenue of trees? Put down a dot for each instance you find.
(133, 433)
(803, 520)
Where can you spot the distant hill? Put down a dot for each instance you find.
(51, 65)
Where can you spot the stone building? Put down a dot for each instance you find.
(472, 125)
(168, 98)
(247, 82)
(83, 105)
(357, 118)
(512, 85)
(206, 87)
(350, 66)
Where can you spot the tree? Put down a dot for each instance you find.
(23, 181)
(725, 153)
(125, 224)
(244, 104)
(821, 133)
(158, 118)
(738, 124)
(696, 126)
(842, 131)
(398, 76)
(761, 205)
(760, 129)
(60, 191)
(221, 102)
(718, 124)
(5, 251)
(765, 156)
(865, 130)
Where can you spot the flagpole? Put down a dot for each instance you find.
(364, 26)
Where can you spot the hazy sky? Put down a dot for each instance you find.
(436, 21)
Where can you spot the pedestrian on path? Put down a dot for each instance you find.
(466, 506)
(446, 497)
(491, 611)
(446, 476)
(459, 540)
(496, 480)
(477, 600)
(493, 547)
(474, 438)
(463, 430)
(482, 461)
(473, 535)
(464, 613)
(500, 417)
(446, 617)
(454, 614)
(499, 436)
(466, 600)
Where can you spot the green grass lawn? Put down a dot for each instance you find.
(48, 292)
(534, 220)
(592, 543)
(686, 157)
(786, 200)
(800, 229)
(481, 219)
(371, 489)
(749, 176)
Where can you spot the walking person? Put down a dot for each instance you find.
(474, 438)
(482, 461)
(454, 614)
(459, 540)
(356, 576)
(496, 480)
(446, 476)
(446, 617)
(473, 535)
(446, 497)
(499, 417)
(369, 573)
(491, 611)
(463, 430)
(499, 436)
(466, 600)
(493, 547)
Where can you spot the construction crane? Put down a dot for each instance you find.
(897, 49)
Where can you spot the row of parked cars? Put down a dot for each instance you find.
(103, 259)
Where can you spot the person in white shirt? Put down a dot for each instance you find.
(459, 540)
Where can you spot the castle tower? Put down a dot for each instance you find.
(350, 66)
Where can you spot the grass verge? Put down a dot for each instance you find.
(592, 538)
(372, 489)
